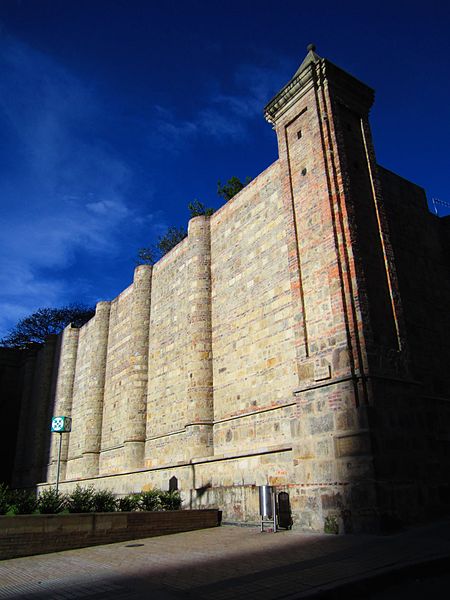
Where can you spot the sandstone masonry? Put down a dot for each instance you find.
(298, 337)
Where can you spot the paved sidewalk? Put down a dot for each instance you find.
(220, 564)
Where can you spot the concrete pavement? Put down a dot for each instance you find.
(225, 563)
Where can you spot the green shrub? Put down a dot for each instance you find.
(150, 500)
(84, 500)
(51, 502)
(128, 503)
(331, 525)
(103, 501)
(170, 500)
(23, 502)
(4, 498)
(81, 500)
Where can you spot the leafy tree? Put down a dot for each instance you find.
(231, 187)
(197, 209)
(172, 237)
(146, 256)
(165, 243)
(36, 328)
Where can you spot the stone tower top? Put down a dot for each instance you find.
(311, 57)
(316, 72)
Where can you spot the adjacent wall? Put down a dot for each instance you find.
(12, 372)
(139, 379)
(252, 319)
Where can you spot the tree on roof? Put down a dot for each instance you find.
(174, 235)
(233, 186)
(197, 209)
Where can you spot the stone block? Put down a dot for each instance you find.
(320, 424)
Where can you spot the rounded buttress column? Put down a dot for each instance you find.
(64, 397)
(136, 389)
(95, 390)
(199, 351)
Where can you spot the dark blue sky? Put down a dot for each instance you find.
(115, 114)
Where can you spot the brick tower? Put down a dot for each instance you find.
(343, 280)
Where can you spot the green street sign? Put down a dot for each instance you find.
(61, 424)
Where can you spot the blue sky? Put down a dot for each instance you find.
(115, 114)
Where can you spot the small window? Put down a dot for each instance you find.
(299, 134)
(304, 171)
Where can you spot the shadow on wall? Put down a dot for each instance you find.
(195, 493)
(27, 383)
(11, 365)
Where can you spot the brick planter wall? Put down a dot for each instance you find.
(24, 535)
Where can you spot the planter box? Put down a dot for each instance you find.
(24, 535)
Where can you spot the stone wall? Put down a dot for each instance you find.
(253, 345)
(421, 241)
(297, 337)
(411, 415)
(38, 379)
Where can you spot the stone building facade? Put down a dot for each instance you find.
(297, 337)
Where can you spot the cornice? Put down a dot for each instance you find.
(349, 90)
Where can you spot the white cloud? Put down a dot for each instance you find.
(65, 191)
(224, 115)
(107, 208)
(23, 292)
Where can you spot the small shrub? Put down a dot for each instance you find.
(331, 525)
(170, 500)
(128, 503)
(4, 498)
(81, 500)
(150, 500)
(23, 502)
(103, 501)
(51, 502)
